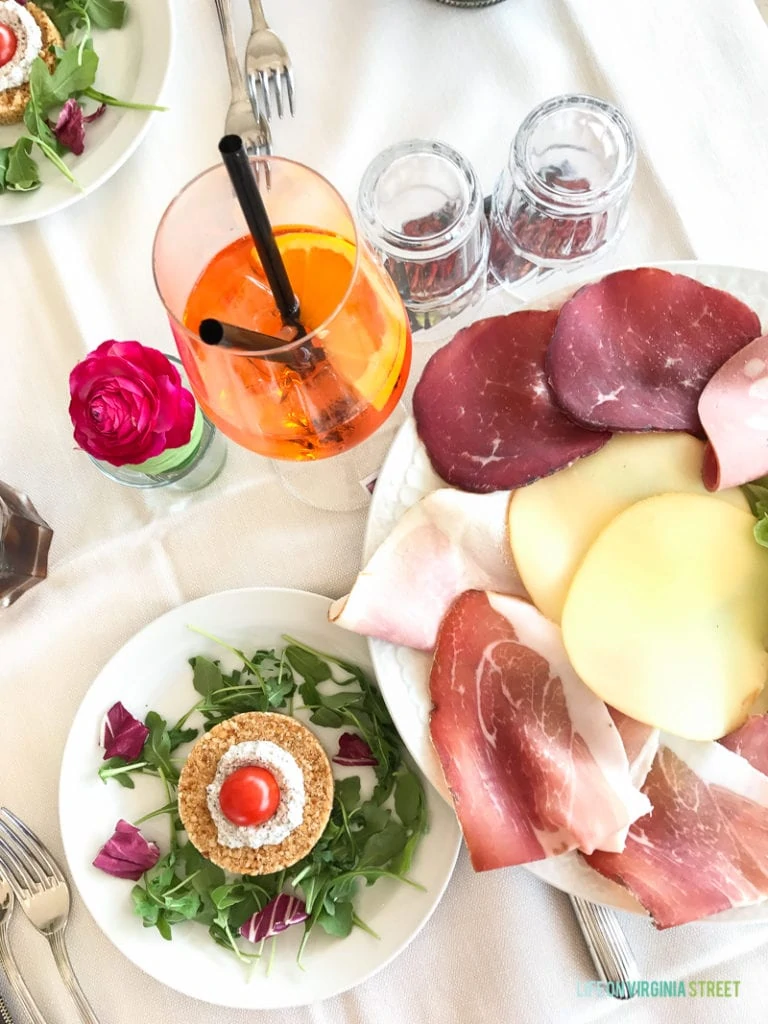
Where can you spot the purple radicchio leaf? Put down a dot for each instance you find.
(122, 735)
(127, 854)
(95, 115)
(354, 752)
(279, 914)
(69, 128)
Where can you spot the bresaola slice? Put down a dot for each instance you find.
(534, 763)
(484, 410)
(705, 846)
(734, 413)
(446, 543)
(635, 350)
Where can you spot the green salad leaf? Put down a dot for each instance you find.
(367, 837)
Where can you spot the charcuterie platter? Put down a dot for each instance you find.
(617, 556)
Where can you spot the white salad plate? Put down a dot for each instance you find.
(403, 673)
(151, 672)
(133, 65)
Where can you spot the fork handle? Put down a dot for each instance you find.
(259, 18)
(22, 993)
(607, 945)
(224, 12)
(61, 956)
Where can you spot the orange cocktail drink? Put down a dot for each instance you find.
(310, 398)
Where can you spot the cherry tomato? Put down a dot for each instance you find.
(8, 43)
(249, 796)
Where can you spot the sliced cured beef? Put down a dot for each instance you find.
(533, 761)
(635, 350)
(750, 741)
(705, 846)
(734, 413)
(484, 410)
(444, 544)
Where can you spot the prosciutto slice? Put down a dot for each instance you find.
(532, 758)
(705, 846)
(734, 413)
(641, 743)
(444, 544)
(751, 742)
(635, 350)
(485, 412)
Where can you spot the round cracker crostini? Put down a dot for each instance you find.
(199, 771)
(13, 101)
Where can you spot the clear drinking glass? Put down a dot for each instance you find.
(421, 207)
(315, 397)
(562, 199)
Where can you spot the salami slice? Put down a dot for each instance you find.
(635, 350)
(734, 413)
(485, 412)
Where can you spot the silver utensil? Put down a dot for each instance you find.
(43, 893)
(8, 961)
(607, 945)
(241, 119)
(5, 1013)
(267, 68)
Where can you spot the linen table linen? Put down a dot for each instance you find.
(692, 77)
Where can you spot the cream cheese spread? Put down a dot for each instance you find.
(290, 780)
(29, 43)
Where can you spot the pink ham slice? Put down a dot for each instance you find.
(734, 413)
(751, 742)
(484, 410)
(534, 763)
(635, 350)
(444, 544)
(705, 846)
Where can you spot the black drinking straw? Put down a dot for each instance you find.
(218, 332)
(247, 191)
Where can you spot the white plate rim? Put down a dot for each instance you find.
(73, 753)
(163, 23)
(385, 655)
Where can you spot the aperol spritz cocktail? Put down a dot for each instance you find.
(313, 397)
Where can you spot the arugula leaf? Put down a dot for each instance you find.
(409, 799)
(339, 923)
(206, 675)
(307, 664)
(4, 154)
(178, 736)
(74, 73)
(106, 13)
(326, 718)
(347, 792)
(157, 749)
(760, 531)
(22, 174)
(382, 846)
(112, 101)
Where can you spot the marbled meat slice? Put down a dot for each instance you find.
(533, 761)
(635, 350)
(484, 410)
(734, 413)
(750, 741)
(705, 846)
(641, 742)
(446, 543)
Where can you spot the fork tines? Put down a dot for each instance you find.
(24, 857)
(271, 81)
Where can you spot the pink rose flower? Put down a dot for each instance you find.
(128, 403)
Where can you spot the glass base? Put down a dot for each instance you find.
(343, 483)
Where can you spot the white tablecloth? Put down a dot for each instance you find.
(692, 76)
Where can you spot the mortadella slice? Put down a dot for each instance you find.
(484, 410)
(532, 758)
(635, 350)
(705, 846)
(734, 413)
(446, 543)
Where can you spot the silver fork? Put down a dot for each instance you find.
(267, 68)
(607, 945)
(241, 120)
(8, 961)
(43, 893)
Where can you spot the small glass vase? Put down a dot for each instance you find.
(197, 470)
